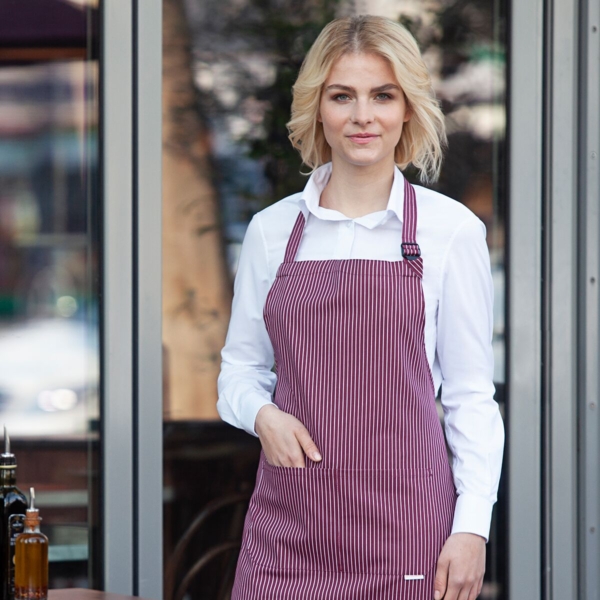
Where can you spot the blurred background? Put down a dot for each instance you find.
(49, 265)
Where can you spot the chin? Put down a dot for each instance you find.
(361, 161)
(363, 156)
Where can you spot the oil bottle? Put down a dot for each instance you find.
(31, 557)
(13, 504)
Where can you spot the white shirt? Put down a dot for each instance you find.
(458, 291)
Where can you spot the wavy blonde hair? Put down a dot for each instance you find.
(423, 136)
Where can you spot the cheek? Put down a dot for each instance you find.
(330, 135)
(334, 114)
(397, 124)
(332, 122)
(329, 114)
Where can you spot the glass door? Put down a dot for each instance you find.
(228, 72)
(49, 271)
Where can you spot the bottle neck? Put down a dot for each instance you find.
(8, 477)
(32, 522)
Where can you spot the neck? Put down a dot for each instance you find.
(356, 191)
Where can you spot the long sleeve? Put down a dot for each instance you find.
(246, 380)
(472, 420)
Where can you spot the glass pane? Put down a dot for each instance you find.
(470, 53)
(49, 219)
(226, 104)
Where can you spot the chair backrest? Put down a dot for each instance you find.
(175, 591)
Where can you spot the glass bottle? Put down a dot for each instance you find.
(13, 502)
(31, 558)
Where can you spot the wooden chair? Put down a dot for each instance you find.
(176, 587)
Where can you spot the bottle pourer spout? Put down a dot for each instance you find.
(31, 499)
(7, 459)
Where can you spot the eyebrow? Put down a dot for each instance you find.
(347, 88)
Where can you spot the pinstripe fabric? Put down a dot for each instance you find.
(370, 519)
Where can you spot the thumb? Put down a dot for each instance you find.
(441, 580)
(309, 447)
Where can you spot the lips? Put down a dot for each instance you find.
(362, 138)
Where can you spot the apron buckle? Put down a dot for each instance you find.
(410, 250)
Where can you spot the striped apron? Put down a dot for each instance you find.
(369, 520)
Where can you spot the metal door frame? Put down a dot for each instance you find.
(553, 451)
(589, 265)
(560, 297)
(131, 303)
(524, 299)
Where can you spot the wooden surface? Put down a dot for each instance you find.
(77, 594)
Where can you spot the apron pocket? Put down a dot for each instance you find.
(394, 522)
(288, 528)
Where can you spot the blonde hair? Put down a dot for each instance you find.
(423, 135)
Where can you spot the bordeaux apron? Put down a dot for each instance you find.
(369, 520)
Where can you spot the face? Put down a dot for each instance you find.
(363, 109)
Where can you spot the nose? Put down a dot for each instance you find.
(362, 112)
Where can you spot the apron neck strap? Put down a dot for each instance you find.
(294, 242)
(410, 248)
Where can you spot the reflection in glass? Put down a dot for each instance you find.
(226, 155)
(49, 356)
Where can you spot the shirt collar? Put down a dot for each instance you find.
(317, 182)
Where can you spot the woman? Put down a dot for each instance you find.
(367, 293)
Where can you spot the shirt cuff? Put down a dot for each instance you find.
(473, 514)
(252, 404)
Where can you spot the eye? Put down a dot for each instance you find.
(386, 96)
(338, 96)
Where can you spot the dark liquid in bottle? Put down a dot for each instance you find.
(14, 503)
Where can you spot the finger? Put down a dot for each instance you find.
(452, 591)
(307, 444)
(467, 591)
(455, 592)
(441, 580)
(454, 586)
(288, 459)
(297, 461)
(463, 593)
(283, 451)
(290, 454)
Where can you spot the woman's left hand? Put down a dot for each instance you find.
(460, 567)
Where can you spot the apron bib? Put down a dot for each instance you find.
(369, 520)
